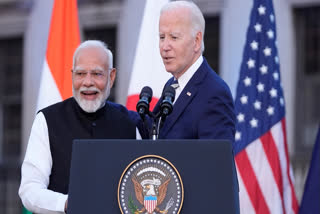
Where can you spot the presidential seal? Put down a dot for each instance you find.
(150, 185)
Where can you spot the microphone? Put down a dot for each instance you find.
(166, 105)
(145, 98)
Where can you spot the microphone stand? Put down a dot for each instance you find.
(154, 135)
(162, 115)
(155, 128)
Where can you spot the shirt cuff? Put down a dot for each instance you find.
(61, 203)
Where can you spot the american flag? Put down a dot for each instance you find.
(262, 160)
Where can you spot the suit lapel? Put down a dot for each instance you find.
(186, 96)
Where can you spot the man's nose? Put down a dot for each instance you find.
(88, 80)
(165, 45)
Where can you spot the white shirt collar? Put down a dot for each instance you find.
(184, 78)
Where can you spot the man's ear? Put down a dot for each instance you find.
(112, 76)
(198, 41)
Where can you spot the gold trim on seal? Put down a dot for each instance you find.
(151, 156)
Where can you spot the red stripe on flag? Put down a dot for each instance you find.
(295, 205)
(150, 205)
(272, 154)
(133, 100)
(251, 183)
(64, 37)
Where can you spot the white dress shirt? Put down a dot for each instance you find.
(184, 78)
(36, 170)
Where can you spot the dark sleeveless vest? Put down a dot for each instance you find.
(67, 121)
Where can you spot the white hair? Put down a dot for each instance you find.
(94, 43)
(196, 16)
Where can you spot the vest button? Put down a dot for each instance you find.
(94, 124)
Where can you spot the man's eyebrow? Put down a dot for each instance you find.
(175, 33)
(77, 68)
(97, 68)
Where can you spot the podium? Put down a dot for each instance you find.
(206, 168)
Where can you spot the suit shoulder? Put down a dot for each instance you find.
(124, 112)
(117, 107)
(211, 79)
(216, 83)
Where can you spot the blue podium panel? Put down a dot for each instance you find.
(206, 168)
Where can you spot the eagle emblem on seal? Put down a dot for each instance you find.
(150, 186)
(150, 193)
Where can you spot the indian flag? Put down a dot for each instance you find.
(63, 39)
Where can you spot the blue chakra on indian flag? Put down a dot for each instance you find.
(150, 185)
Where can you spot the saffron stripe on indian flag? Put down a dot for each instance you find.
(63, 39)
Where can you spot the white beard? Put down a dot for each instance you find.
(91, 106)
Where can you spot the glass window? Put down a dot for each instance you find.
(10, 98)
(10, 123)
(211, 41)
(308, 77)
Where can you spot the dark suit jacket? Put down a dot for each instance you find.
(204, 109)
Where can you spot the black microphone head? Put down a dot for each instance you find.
(169, 91)
(143, 104)
(146, 92)
(168, 96)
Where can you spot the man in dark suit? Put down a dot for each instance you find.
(203, 107)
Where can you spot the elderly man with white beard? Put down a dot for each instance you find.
(86, 115)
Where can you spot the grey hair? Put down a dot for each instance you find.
(94, 43)
(197, 19)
